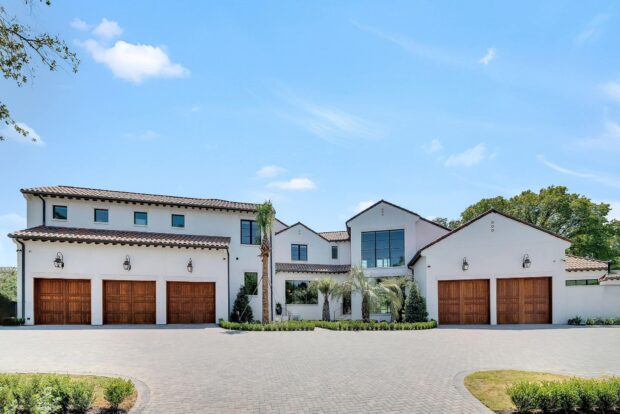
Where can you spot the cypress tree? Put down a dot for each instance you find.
(415, 305)
(241, 311)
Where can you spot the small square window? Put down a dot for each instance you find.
(178, 220)
(299, 252)
(334, 252)
(59, 212)
(140, 218)
(250, 280)
(101, 215)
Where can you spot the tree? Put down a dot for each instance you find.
(415, 305)
(265, 216)
(451, 224)
(8, 284)
(241, 311)
(19, 46)
(329, 288)
(372, 292)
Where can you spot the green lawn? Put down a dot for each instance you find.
(490, 386)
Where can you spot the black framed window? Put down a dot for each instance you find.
(250, 283)
(299, 252)
(59, 212)
(334, 252)
(178, 220)
(140, 218)
(582, 282)
(250, 232)
(301, 292)
(346, 303)
(383, 248)
(101, 215)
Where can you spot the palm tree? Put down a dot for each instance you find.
(265, 216)
(373, 292)
(328, 287)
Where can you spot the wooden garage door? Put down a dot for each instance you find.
(464, 301)
(191, 302)
(61, 301)
(524, 300)
(128, 302)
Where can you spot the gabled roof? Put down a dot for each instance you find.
(311, 268)
(299, 223)
(142, 198)
(282, 223)
(336, 236)
(508, 216)
(98, 236)
(578, 264)
(398, 207)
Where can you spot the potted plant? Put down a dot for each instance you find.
(279, 309)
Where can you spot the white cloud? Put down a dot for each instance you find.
(612, 90)
(269, 171)
(592, 30)
(80, 25)
(467, 158)
(294, 184)
(107, 29)
(488, 57)
(608, 140)
(8, 223)
(599, 178)
(432, 147)
(135, 62)
(363, 205)
(9, 132)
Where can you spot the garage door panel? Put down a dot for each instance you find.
(191, 302)
(129, 302)
(524, 300)
(62, 301)
(464, 301)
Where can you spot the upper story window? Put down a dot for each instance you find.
(334, 252)
(250, 232)
(383, 248)
(140, 218)
(299, 252)
(59, 212)
(178, 220)
(101, 215)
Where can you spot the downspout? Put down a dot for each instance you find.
(23, 278)
(228, 284)
(43, 200)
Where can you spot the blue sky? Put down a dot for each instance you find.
(322, 107)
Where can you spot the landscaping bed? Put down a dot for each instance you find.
(508, 391)
(577, 320)
(332, 325)
(57, 393)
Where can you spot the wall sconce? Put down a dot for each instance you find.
(526, 261)
(190, 266)
(127, 263)
(465, 265)
(59, 261)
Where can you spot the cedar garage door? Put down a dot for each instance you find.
(524, 300)
(129, 302)
(464, 301)
(191, 302)
(61, 301)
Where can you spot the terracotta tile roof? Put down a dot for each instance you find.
(576, 264)
(608, 277)
(79, 235)
(122, 196)
(311, 268)
(335, 235)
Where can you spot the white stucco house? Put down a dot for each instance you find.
(92, 256)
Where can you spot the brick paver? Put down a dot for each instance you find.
(206, 369)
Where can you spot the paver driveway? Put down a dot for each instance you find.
(206, 369)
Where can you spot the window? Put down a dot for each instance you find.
(178, 220)
(300, 292)
(140, 218)
(250, 232)
(582, 282)
(383, 248)
(101, 215)
(381, 304)
(346, 303)
(299, 252)
(250, 283)
(59, 212)
(334, 252)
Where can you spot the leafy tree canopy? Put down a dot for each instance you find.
(20, 48)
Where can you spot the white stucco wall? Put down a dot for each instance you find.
(589, 301)
(319, 249)
(105, 262)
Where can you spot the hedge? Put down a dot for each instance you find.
(334, 326)
(577, 320)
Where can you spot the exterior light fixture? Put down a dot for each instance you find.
(526, 261)
(127, 263)
(465, 265)
(190, 266)
(59, 261)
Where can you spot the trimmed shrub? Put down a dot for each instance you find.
(60, 387)
(415, 305)
(82, 396)
(241, 311)
(8, 402)
(586, 392)
(335, 326)
(566, 396)
(575, 321)
(547, 398)
(116, 391)
(524, 395)
(606, 395)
